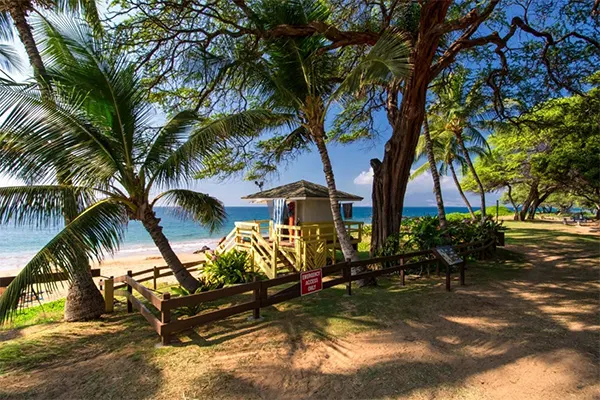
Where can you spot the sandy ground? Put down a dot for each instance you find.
(533, 335)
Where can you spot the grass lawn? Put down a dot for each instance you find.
(526, 323)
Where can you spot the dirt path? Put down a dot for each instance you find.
(526, 326)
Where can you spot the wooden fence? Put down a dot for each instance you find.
(166, 324)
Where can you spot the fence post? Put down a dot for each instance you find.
(462, 273)
(109, 294)
(347, 273)
(130, 290)
(402, 272)
(256, 312)
(448, 278)
(165, 318)
(155, 275)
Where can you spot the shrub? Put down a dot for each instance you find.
(227, 269)
(188, 311)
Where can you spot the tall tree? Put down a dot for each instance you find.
(461, 107)
(95, 131)
(529, 50)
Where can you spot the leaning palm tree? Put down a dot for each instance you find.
(447, 154)
(297, 77)
(425, 148)
(96, 133)
(463, 109)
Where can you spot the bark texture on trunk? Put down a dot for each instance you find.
(19, 17)
(437, 188)
(183, 276)
(465, 152)
(512, 202)
(389, 184)
(531, 196)
(318, 133)
(460, 191)
(84, 300)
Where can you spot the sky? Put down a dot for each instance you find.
(350, 164)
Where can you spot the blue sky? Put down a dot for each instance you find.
(350, 164)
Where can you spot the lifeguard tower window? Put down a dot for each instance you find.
(448, 255)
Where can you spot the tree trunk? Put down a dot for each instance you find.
(19, 16)
(465, 152)
(460, 191)
(531, 196)
(389, 184)
(536, 204)
(84, 300)
(512, 203)
(437, 188)
(318, 133)
(183, 276)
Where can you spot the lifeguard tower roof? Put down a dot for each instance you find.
(301, 190)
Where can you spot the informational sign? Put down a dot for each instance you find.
(311, 281)
(448, 255)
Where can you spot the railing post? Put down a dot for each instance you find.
(402, 273)
(347, 273)
(274, 261)
(109, 294)
(165, 318)
(130, 290)
(156, 273)
(256, 312)
(462, 273)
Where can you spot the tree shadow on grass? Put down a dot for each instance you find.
(106, 359)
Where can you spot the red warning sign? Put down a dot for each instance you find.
(311, 281)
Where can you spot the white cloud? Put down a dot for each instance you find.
(364, 178)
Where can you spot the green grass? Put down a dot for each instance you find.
(502, 212)
(45, 313)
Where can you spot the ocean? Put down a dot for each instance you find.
(19, 244)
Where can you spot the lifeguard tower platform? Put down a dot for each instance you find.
(299, 235)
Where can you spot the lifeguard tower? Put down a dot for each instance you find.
(299, 235)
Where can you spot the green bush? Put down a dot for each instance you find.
(227, 269)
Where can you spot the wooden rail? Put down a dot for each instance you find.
(336, 274)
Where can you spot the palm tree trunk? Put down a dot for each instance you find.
(460, 191)
(465, 152)
(318, 132)
(19, 17)
(183, 276)
(437, 188)
(84, 300)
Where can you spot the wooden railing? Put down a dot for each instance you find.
(166, 323)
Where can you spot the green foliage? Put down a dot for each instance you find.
(187, 311)
(228, 269)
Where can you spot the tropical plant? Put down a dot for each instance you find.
(190, 310)
(228, 269)
(96, 133)
(463, 109)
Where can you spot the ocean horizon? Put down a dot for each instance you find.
(19, 244)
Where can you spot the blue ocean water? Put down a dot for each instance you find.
(19, 244)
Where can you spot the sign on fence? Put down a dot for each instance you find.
(448, 255)
(311, 281)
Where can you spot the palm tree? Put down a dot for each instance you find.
(463, 109)
(95, 133)
(447, 153)
(297, 77)
(425, 148)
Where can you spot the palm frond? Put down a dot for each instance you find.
(6, 26)
(96, 231)
(199, 207)
(87, 8)
(387, 60)
(419, 171)
(207, 139)
(42, 206)
(169, 138)
(9, 58)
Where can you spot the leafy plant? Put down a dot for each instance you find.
(228, 269)
(188, 311)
